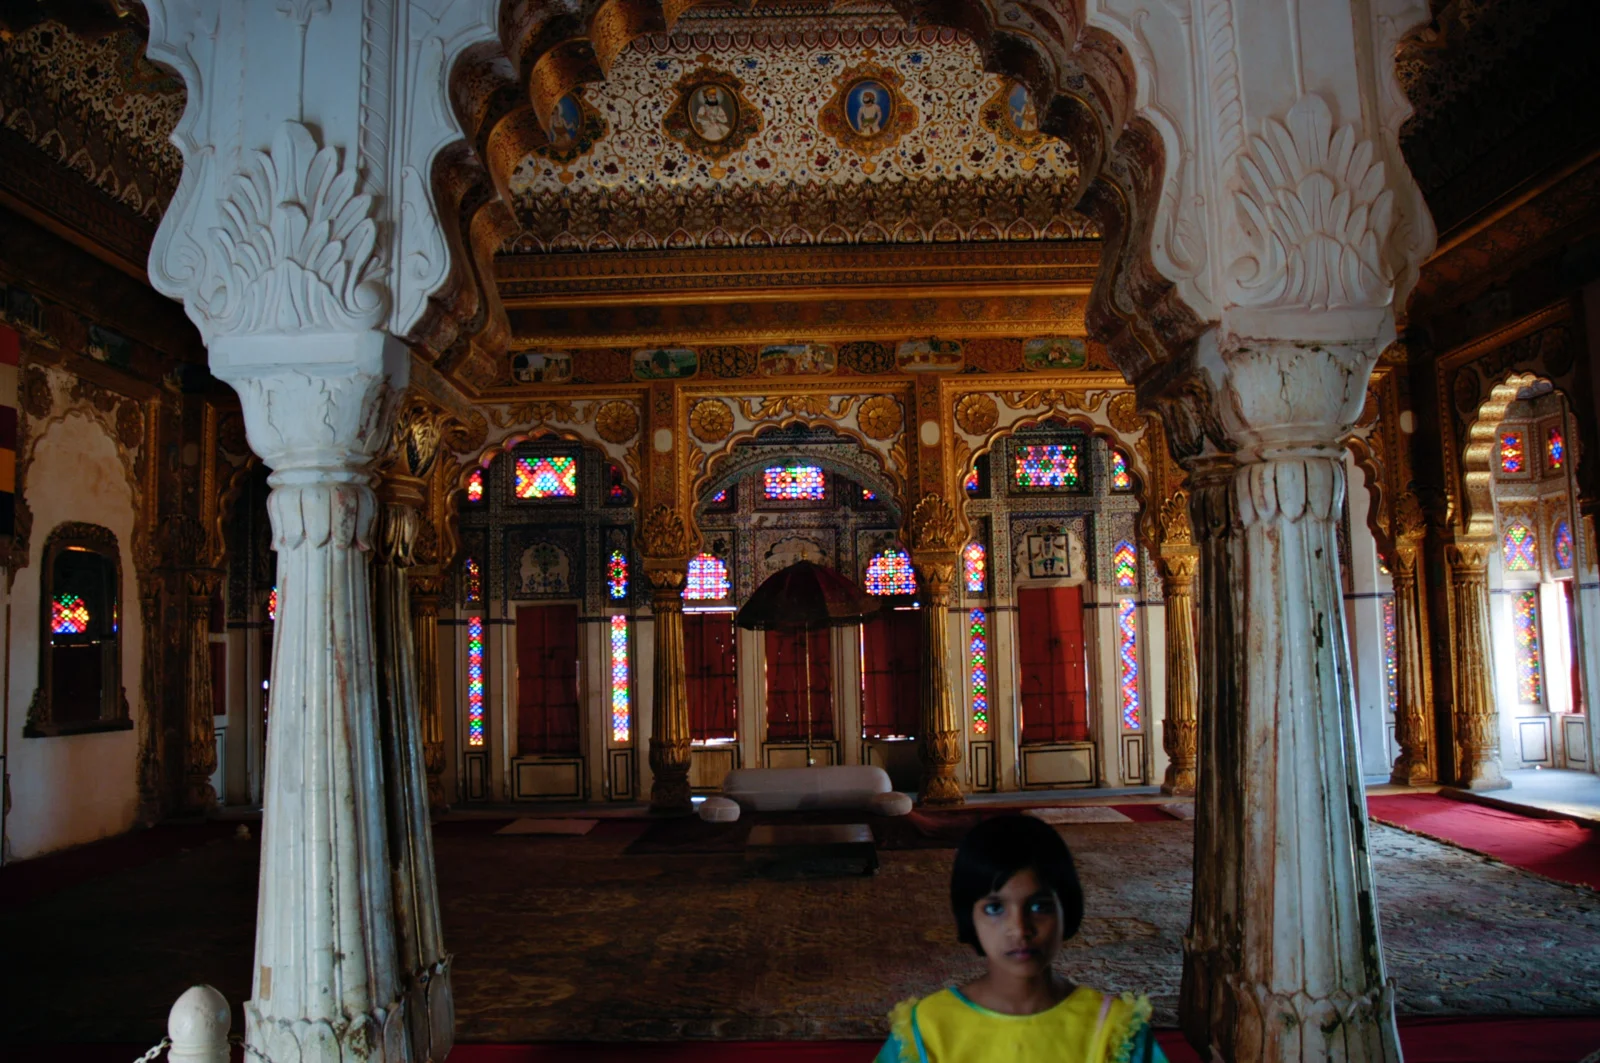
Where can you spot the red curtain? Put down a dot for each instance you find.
(786, 697)
(710, 652)
(1055, 694)
(1572, 645)
(547, 679)
(891, 676)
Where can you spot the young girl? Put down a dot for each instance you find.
(1016, 898)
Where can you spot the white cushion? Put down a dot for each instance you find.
(718, 810)
(893, 803)
(843, 786)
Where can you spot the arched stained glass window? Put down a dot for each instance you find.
(617, 576)
(1563, 546)
(1555, 451)
(1121, 475)
(1128, 661)
(621, 707)
(617, 493)
(1125, 565)
(1513, 452)
(550, 476)
(1520, 548)
(975, 567)
(890, 572)
(475, 486)
(1530, 662)
(708, 579)
(794, 483)
(978, 665)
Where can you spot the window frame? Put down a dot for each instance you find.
(114, 714)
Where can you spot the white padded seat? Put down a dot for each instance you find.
(836, 786)
(718, 810)
(893, 803)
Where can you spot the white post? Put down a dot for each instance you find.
(198, 1027)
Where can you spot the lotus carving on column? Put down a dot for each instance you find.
(1317, 207)
(297, 246)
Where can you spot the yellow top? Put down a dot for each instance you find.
(1087, 1027)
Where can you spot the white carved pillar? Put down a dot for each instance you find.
(304, 241)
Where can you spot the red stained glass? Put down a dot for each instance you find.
(970, 484)
(1555, 451)
(1121, 475)
(1513, 454)
(272, 604)
(475, 486)
(69, 615)
(975, 567)
(890, 572)
(617, 575)
(1049, 467)
(475, 671)
(1530, 663)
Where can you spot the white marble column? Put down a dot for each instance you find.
(305, 243)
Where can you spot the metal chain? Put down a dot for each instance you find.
(164, 1044)
(250, 1050)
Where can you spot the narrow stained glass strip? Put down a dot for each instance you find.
(272, 604)
(475, 671)
(978, 663)
(1530, 662)
(975, 565)
(1125, 565)
(1555, 450)
(1563, 546)
(621, 709)
(1121, 475)
(1391, 655)
(1128, 660)
(617, 576)
(475, 486)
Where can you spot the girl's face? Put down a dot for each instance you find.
(1019, 925)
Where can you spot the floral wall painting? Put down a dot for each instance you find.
(664, 363)
(1055, 352)
(711, 116)
(797, 359)
(529, 367)
(868, 113)
(929, 355)
(575, 127)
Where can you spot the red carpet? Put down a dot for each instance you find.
(1556, 848)
(24, 880)
(1442, 1040)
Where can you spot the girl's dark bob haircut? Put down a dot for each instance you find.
(998, 848)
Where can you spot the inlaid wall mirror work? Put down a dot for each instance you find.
(80, 673)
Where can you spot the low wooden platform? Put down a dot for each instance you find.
(811, 850)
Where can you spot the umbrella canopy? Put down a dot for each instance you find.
(803, 597)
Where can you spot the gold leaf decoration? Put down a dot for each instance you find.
(662, 535)
(1175, 528)
(977, 414)
(1067, 400)
(807, 405)
(532, 413)
(711, 420)
(880, 417)
(617, 422)
(1124, 413)
(933, 525)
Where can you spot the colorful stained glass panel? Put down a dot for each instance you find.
(272, 604)
(1513, 454)
(1125, 565)
(475, 486)
(794, 483)
(617, 576)
(69, 615)
(475, 673)
(1555, 451)
(1530, 662)
(1121, 475)
(890, 572)
(975, 567)
(1520, 548)
(1128, 661)
(978, 666)
(1391, 655)
(621, 708)
(1563, 546)
(970, 484)
(1049, 467)
(707, 580)
(551, 476)
(720, 496)
(868, 495)
(474, 576)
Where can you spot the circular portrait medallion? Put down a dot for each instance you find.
(868, 107)
(713, 113)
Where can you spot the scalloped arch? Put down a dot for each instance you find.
(727, 466)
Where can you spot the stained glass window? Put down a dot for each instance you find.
(978, 664)
(868, 495)
(890, 572)
(1555, 450)
(1128, 661)
(475, 486)
(1121, 475)
(1563, 545)
(617, 576)
(618, 491)
(551, 476)
(1391, 656)
(1520, 550)
(1050, 467)
(621, 710)
(708, 578)
(790, 483)
(720, 496)
(272, 604)
(1513, 455)
(1530, 665)
(474, 577)
(69, 615)
(970, 484)
(1125, 565)
(975, 565)
(475, 708)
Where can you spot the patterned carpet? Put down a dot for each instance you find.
(569, 938)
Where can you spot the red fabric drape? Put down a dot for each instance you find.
(786, 698)
(547, 679)
(711, 655)
(1055, 694)
(891, 675)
